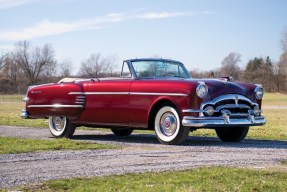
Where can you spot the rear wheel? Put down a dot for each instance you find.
(233, 134)
(122, 132)
(61, 127)
(168, 127)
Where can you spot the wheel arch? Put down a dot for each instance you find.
(155, 107)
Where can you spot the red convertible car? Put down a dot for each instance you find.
(153, 94)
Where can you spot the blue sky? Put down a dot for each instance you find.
(200, 33)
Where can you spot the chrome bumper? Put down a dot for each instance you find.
(213, 122)
(24, 114)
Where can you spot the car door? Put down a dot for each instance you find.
(107, 101)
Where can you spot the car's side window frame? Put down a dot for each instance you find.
(131, 70)
(123, 73)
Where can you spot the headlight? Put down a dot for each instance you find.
(201, 90)
(259, 92)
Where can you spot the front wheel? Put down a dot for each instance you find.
(61, 127)
(167, 126)
(122, 132)
(232, 134)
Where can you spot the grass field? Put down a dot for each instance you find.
(17, 145)
(275, 128)
(201, 179)
(274, 99)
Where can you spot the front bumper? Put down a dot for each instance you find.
(213, 122)
(24, 114)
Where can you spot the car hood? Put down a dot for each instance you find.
(218, 87)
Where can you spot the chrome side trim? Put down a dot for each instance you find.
(76, 93)
(55, 106)
(193, 110)
(159, 94)
(99, 93)
(80, 99)
(128, 93)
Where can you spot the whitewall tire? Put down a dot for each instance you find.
(168, 127)
(61, 127)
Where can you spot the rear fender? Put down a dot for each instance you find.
(55, 100)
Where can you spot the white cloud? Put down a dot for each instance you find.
(5, 4)
(165, 15)
(48, 28)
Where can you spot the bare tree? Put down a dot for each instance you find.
(35, 61)
(12, 68)
(282, 72)
(2, 60)
(111, 66)
(65, 68)
(284, 41)
(230, 65)
(10, 73)
(280, 69)
(97, 66)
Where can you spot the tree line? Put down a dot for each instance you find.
(26, 65)
(259, 70)
(272, 76)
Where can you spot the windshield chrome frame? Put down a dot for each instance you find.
(134, 74)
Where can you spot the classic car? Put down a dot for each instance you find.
(152, 94)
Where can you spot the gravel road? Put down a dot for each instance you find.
(139, 153)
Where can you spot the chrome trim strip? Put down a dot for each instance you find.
(76, 93)
(159, 94)
(106, 93)
(55, 106)
(193, 110)
(127, 93)
(99, 93)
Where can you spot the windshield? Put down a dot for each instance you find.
(159, 69)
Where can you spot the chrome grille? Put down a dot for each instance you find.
(236, 105)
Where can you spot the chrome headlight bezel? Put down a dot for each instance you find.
(201, 90)
(259, 91)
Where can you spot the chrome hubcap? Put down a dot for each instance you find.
(59, 123)
(168, 124)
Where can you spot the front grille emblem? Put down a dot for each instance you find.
(236, 99)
